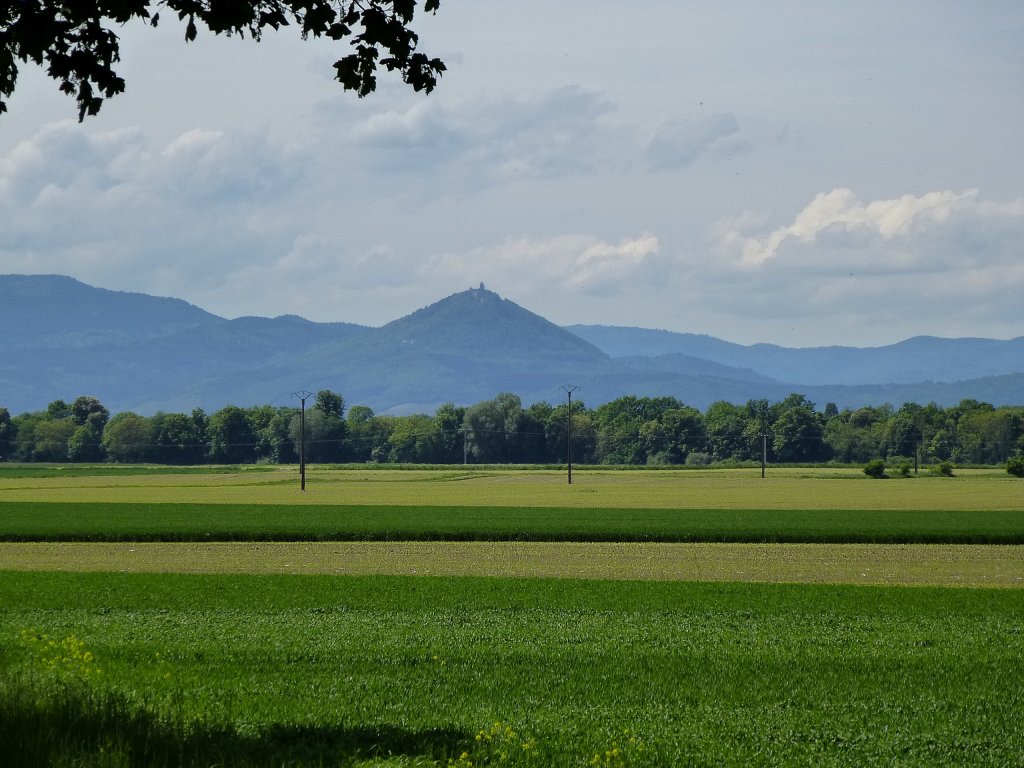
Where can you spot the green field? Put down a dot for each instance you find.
(281, 668)
(884, 564)
(93, 521)
(784, 488)
(302, 639)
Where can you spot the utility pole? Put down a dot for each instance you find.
(764, 436)
(569, 389)
(302, 395)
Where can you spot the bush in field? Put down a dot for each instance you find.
(943, 469)
(875, 468)
(1015, 466)
(905, 467)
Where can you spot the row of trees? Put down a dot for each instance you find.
(630, 430)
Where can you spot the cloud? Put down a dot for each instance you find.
(946, 263)
(361, 199)
(114, 207)
(192, 142)
(839, 218)
(581, 264)
(680, 144)
(66, 166)
(395, 207)
(539, 134)
(61, 160)
(314, 258)
(421, 136)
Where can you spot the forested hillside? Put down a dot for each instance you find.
(57, 312)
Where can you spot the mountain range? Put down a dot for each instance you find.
(61, 338)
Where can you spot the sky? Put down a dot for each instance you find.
(800, 173)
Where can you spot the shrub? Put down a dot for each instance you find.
(1015, 466)
(875, 468)
(661, 458)
(905, 467)
(943, 469)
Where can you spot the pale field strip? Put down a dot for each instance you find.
(701, 489)
(866, 564)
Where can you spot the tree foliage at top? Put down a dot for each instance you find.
(77, 43)
(631, 430)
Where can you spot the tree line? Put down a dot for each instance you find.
(630, 430)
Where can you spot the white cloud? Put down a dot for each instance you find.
(363, 199)
(537, 134)
(62, 161)
(421, 135)
(840, 215)
(605, 267)
(191, 142)
(114, 209)
(581, 264)
(906, 231)
(945, 263)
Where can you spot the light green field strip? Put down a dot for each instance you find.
(932, 564)
(703, 489)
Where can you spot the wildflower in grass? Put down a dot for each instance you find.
(164, 666)
(620, 752)
(67, 657)
(497, 745)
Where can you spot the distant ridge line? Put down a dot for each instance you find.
(62, 338)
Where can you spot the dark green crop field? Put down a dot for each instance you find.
(68, 521)
(290, 670)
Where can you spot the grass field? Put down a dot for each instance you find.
(95, 521)
(615, 651)
(899, 564)
(348, 669)
(784, 488)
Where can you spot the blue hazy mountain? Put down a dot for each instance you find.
(61, 338)
(922, 358)
(56, 311)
